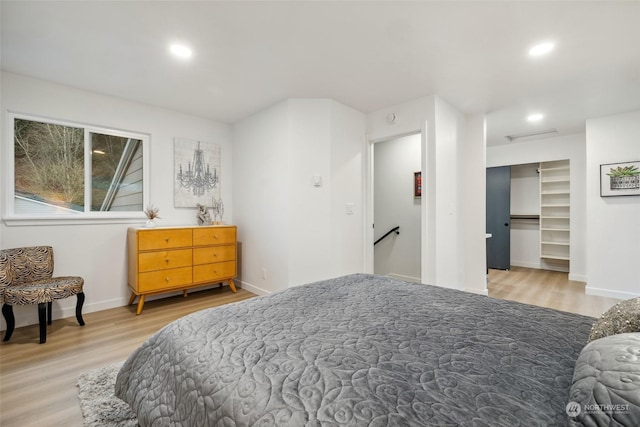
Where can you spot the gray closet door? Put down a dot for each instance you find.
(498, 217)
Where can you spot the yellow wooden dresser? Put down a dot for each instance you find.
(178, 258)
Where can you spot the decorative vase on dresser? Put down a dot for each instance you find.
(169, 259)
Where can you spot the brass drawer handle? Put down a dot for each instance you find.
(167, 279)
(166, 260)
(166, 240)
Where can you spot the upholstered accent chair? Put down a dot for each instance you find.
(26, 277)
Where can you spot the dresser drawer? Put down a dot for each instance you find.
(164, 239)
(214, 254)
(164, 279)
(162, 260)
(209, 273)
(214, 236)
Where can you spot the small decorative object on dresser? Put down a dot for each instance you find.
(178, 258)
(218, 211)
(152, 214)
(204, 217)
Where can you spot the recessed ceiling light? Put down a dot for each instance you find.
(180, 50)
(535, 117)
(541, 49)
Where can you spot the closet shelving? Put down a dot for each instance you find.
(555, 209)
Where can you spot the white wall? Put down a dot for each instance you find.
(473, 200)
(395, 162)
(449, 144)
(295, 231)
(97, 252)
(309, 206)
(570, 147)
(261, 199)
(613, 251)
(447, 160)
(525, 189)
(525, 200)
(347, 187)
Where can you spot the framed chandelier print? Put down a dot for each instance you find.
(196, 178)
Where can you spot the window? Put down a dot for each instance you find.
(64, 169)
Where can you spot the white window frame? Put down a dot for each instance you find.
(9, 216)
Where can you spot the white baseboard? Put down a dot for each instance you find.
(31, 317)
(526, 264)
(540, 266)
(578, 278)
(484, 292)
(609, 293)
(96, 306)
(405, 278)
(252, 288)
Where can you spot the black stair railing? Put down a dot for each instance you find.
(394, 229)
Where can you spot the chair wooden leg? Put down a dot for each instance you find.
(42, 321)
(49, 310)
(79, 304)
(7, 312)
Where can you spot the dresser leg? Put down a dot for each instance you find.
(132, 298)
(185, 292)
(140, 304)
(232, 285)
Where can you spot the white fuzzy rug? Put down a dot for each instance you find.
(100, 407)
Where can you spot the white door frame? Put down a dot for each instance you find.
(369, 209)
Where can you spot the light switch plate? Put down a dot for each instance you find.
(349, 207)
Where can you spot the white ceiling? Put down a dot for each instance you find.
(367, 55)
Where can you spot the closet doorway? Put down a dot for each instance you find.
(397, 207)
(529, 216)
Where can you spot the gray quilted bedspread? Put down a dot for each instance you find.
(359, 350)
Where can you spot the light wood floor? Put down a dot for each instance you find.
(38, 382)
(546, 288)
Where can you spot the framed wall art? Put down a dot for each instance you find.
(196, 178)
(620, 179)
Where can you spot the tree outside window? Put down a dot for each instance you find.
(54, 174)
(49, 163)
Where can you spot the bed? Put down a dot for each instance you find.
(359, 350)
